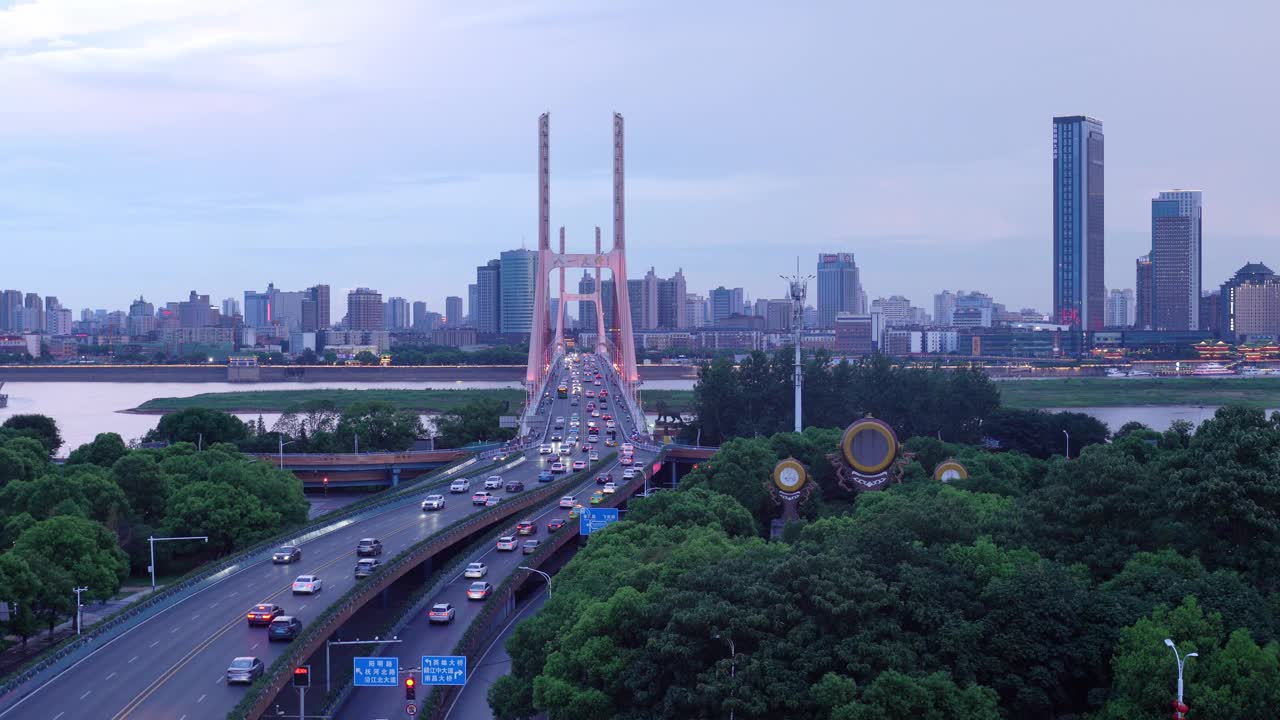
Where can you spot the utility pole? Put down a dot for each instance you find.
(77, 591)
(797, 288)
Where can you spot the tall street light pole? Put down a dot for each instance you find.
(77, 591)
(1181, 659)
(152, 542)
(1068, 436)
(544, 577)
(282, 444)
(733, 666)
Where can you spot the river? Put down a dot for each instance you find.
(84, 409)
(1156, 417)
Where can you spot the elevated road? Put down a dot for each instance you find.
(172, 665)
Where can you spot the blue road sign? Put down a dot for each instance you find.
(376, 671)
(444, 669)
(593, 519)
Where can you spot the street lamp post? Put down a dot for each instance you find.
(152, 542)
(77, 591)
(282, 444)
(733, 666)
(1181, 659)
(544, 577)
(1068, 436)
(356, 437)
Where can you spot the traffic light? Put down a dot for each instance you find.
(410, 689)
(302, 676)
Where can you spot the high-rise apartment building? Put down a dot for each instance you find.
(487, 313)
(972, 309)
(396, 314)
(608, 302)
(1121, 305)
(230, 307)
(586, 308)
(10, 304)
(695, 311)
(897, 311)
(671, 302)
(1079, 289)
(421, 318)
(944, 303)
(1142, 294)
(32, 313)
(473, 297)
(777, 315)
(519, 269)
(453, 310)
(635, 294)
(286, 309)
(1175, 260)
(724, 302)
(1250, 304)
(319, 294)
(649, 301)
(195, 312)
(364, 310)
(839, 287)
(142, 317)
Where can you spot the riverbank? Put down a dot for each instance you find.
(1258, 392)
(299, 373)
(423, 401)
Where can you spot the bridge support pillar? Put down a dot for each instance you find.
(395, 477)
(384, 598)
(428, 565)
(675, 478)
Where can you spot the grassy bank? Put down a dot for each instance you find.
(426, 401)
(1116, 392)
(281, 400)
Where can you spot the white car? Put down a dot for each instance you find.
(476, 570)
(559, 422)
(557, 467)
(609, 488)
(628, 448)
(494, 482)
(628, 473)
(594, 456)
(625, 460)
(568, 501)
(309, 584)
(433, 502)
(579, 464)
(460, 486)
(610, 424)
(545, 450)
(480, 498)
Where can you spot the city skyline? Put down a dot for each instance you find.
(287, 168)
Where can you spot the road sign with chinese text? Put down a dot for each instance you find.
(593, 519)
(444, 669)
(376, 671)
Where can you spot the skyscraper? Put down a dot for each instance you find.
(319, 294)
(257, 308)
(364, 310)
(1175, 260)
(635, 293)
(453, 310)
(944, 304)
(1079, 289)
(421, 321)
(396, 313)
(1120, 308)
(519, 270)
(10, 304)
(1142, 294)
(1250, 304)
(473, 298)
(195, 312)
(586, 308)
(649, 301)
(230, 307)
(839, 287)
(486, 315)
(671, 302)
(724, 302)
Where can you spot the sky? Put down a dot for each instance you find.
(158, 146)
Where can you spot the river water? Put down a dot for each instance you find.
(84, 409)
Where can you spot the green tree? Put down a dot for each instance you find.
(930, 697)
(198, 425)
(740, 470)
(20, 587)
(364, 357)
(66, 552)
(475, 421)
(380, 426)
(144, 484)
(229, 516)
(40, 427)
(104, 451)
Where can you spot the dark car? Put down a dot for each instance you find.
(263, 614)
(369, 547)
(555, 525)
(530, 546)
(526, 527)
(366, 567)
(286, 554)
(602, 479)
(284, 627)
(515, 486)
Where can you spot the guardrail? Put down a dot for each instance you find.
(76, 648)
(471, 643)
(265, 689)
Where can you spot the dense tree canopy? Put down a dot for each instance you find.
(1034, 589)
(476, 421)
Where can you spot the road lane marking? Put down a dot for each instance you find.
(55, 717)
(255, 646)
(201, 698)
(154, 644)
(135, 657)
(86, 694)
(164, 677)
(111, 676)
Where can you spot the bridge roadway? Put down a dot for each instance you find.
(172, 666)
(422, 638)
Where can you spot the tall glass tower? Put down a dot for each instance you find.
(1079, 289)
(519, 271)
(1175, 260)
(839, 287)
